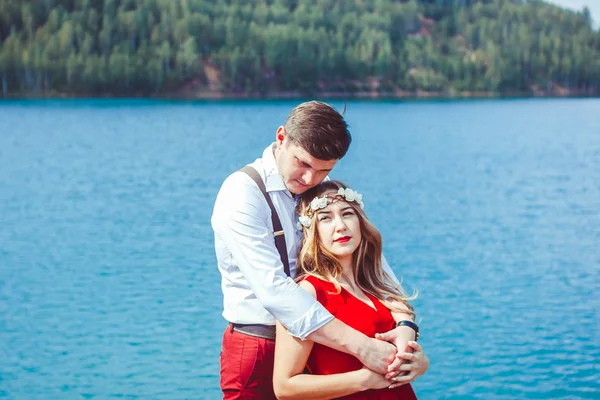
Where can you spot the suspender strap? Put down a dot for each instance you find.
(278, 230)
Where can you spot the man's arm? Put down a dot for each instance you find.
(375, 354)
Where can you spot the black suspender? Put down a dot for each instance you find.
(278, 230)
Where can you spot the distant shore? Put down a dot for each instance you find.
(297, 95)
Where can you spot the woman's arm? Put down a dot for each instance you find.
(405, 333)
(289, 381)
(401, 337)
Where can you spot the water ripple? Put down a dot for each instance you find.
(108, 284)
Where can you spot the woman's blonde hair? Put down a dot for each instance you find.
(369, 275)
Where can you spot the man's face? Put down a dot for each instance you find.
(299, 170)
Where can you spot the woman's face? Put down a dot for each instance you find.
(338, 226)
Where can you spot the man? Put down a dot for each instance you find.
(256, 290)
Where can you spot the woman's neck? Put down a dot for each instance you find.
(348, 271)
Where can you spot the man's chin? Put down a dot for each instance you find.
(297, 188)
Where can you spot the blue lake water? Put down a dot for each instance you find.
(108, 279)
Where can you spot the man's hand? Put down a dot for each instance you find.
(400, 337)
(416, 365)
(377, 355)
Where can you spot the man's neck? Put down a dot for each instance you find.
(275, 151)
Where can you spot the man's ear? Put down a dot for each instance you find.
(280, 136)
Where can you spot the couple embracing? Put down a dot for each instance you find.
(301, 262)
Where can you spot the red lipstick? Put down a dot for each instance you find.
(343, 239)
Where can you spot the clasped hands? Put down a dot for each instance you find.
(409, 363)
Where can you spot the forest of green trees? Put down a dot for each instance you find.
(273, 47)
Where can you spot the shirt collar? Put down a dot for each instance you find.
(273, 181)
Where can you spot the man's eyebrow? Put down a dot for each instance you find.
(305, 164)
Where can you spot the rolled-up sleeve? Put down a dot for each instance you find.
(242, 219)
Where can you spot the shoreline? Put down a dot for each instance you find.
(322, 95)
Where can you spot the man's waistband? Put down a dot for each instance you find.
(256, 330)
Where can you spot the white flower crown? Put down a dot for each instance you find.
(321, 202)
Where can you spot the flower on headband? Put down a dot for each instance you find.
(318, 203)
(304, 220)
(351, 195)
(347, 193)
(322, 202)
(359, 200)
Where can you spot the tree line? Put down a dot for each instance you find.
(263, 47)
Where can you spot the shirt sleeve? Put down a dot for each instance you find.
(242, 219)
(388, 269)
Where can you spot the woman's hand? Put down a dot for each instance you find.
(415, 365)
(400, 337)
(373, 380)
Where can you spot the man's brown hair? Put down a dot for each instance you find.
(319, 129)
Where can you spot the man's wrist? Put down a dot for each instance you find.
(337, 335)
(360, 347)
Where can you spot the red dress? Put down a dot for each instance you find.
(362, 317)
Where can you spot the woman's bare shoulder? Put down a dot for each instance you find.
(306, 285)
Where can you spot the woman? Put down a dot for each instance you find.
(340, 265)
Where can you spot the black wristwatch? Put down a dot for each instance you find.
(411, 325)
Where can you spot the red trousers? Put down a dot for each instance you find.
(246, 366)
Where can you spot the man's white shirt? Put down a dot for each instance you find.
(256, 289)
